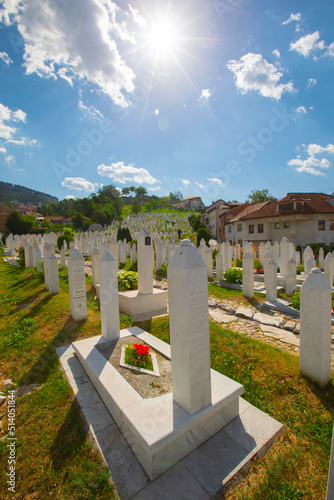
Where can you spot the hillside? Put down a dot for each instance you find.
(15, 192)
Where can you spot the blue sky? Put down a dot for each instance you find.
(210, 98)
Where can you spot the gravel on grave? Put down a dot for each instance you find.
(147, 386)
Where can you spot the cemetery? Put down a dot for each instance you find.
(229, 392)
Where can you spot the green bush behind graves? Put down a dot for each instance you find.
(233, 275)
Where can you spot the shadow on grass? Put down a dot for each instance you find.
(27, 300)
(324, 394)
(70, 438)
(48, 359)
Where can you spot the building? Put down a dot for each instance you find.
(211, 217)
(5, 211)
(301, 217)
(58, 219)
(191, 203)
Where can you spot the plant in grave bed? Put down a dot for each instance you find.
(127, 281)
(162, 273)
(233, 276)
(295, 299)
(138, 355)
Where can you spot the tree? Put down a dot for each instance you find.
(126, 191)
(135, 207)
(259, 196)
(132, 189)
(78, 221)
(140, 191)
(175, 197)
(194, 221)
(203, 232)
(106, 194)
(148, 207)
(19, 224)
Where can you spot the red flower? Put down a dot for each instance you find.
(141, 350)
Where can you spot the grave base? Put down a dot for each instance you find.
(132, 302)
(159, 431)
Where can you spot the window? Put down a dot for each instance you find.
(251, 228)
(331, 225)
(230, 229)
(239, 227)
(321, 225)
(260, 228)
(285, 206)
(286, 225)
(277, 225)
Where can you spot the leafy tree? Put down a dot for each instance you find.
(203, 232)
(124, 233)
(135, 207)
(148, 207)
(19, 224)
(175, 197)
(259, 196)
(140, 191)
(106, 194)
(194, 221)
(126, 191)
(132, 189)
(78, 221)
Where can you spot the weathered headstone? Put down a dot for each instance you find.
(309, 265)
(47, 252)
(62, 259)
(321, 258)
(248, 275)
(270, 278)
(109, 303)
(284, 255)
(145, 262)
(189, 328)
(77, 285)
(315, 327)
(219, 266)
(53, 275)
(95, 267)
(291, 279)
(133, 252)
(328, 268)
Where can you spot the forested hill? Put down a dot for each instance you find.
(15, 192)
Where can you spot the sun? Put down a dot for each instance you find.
(162, 37)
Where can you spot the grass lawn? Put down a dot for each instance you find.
(54, 457)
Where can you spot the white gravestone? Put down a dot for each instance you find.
(62, 259)
(284, 255)
(309, 265)
(321, 258)
(95, 267)
(53, 275)
(189, 328)
(47, 252)
(145, 262)
(77, 285)
(315, 327)
(270, 278)
(219, 266)
(291, 278)
(133, 252)
(26, 254)
(248, 275)
(158, 256)
(328, 268)
(109, 304)
(330, 483)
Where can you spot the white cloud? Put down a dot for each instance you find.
(201, 186)
(205, 94)
(277, 53)
(121, 173)
(216, 181)
(185, 182)
(23, 141)
(3, 150)
(75, 41)
(10, 159)
(293, 17)
(78, 184)
(7, 115)
(253, 72)
(90, 111)
(311, 82)
(5, 58)
(137, 17)
(156, 112)
(312, 164)
(301, 110)
(70, 197)
(307, 44)
(330, 50)
(157, 188)
(21, 170)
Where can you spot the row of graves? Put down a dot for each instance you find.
(197, 434)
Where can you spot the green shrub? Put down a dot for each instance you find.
(295, 299)
(162, 273)
(203, 232)
(39, 270)
(127, 281)
(233, 276)
(215, 252)
(20, 258)
(257, 264)
(61, 238)
(238, 263)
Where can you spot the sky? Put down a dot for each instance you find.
(213, 98)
